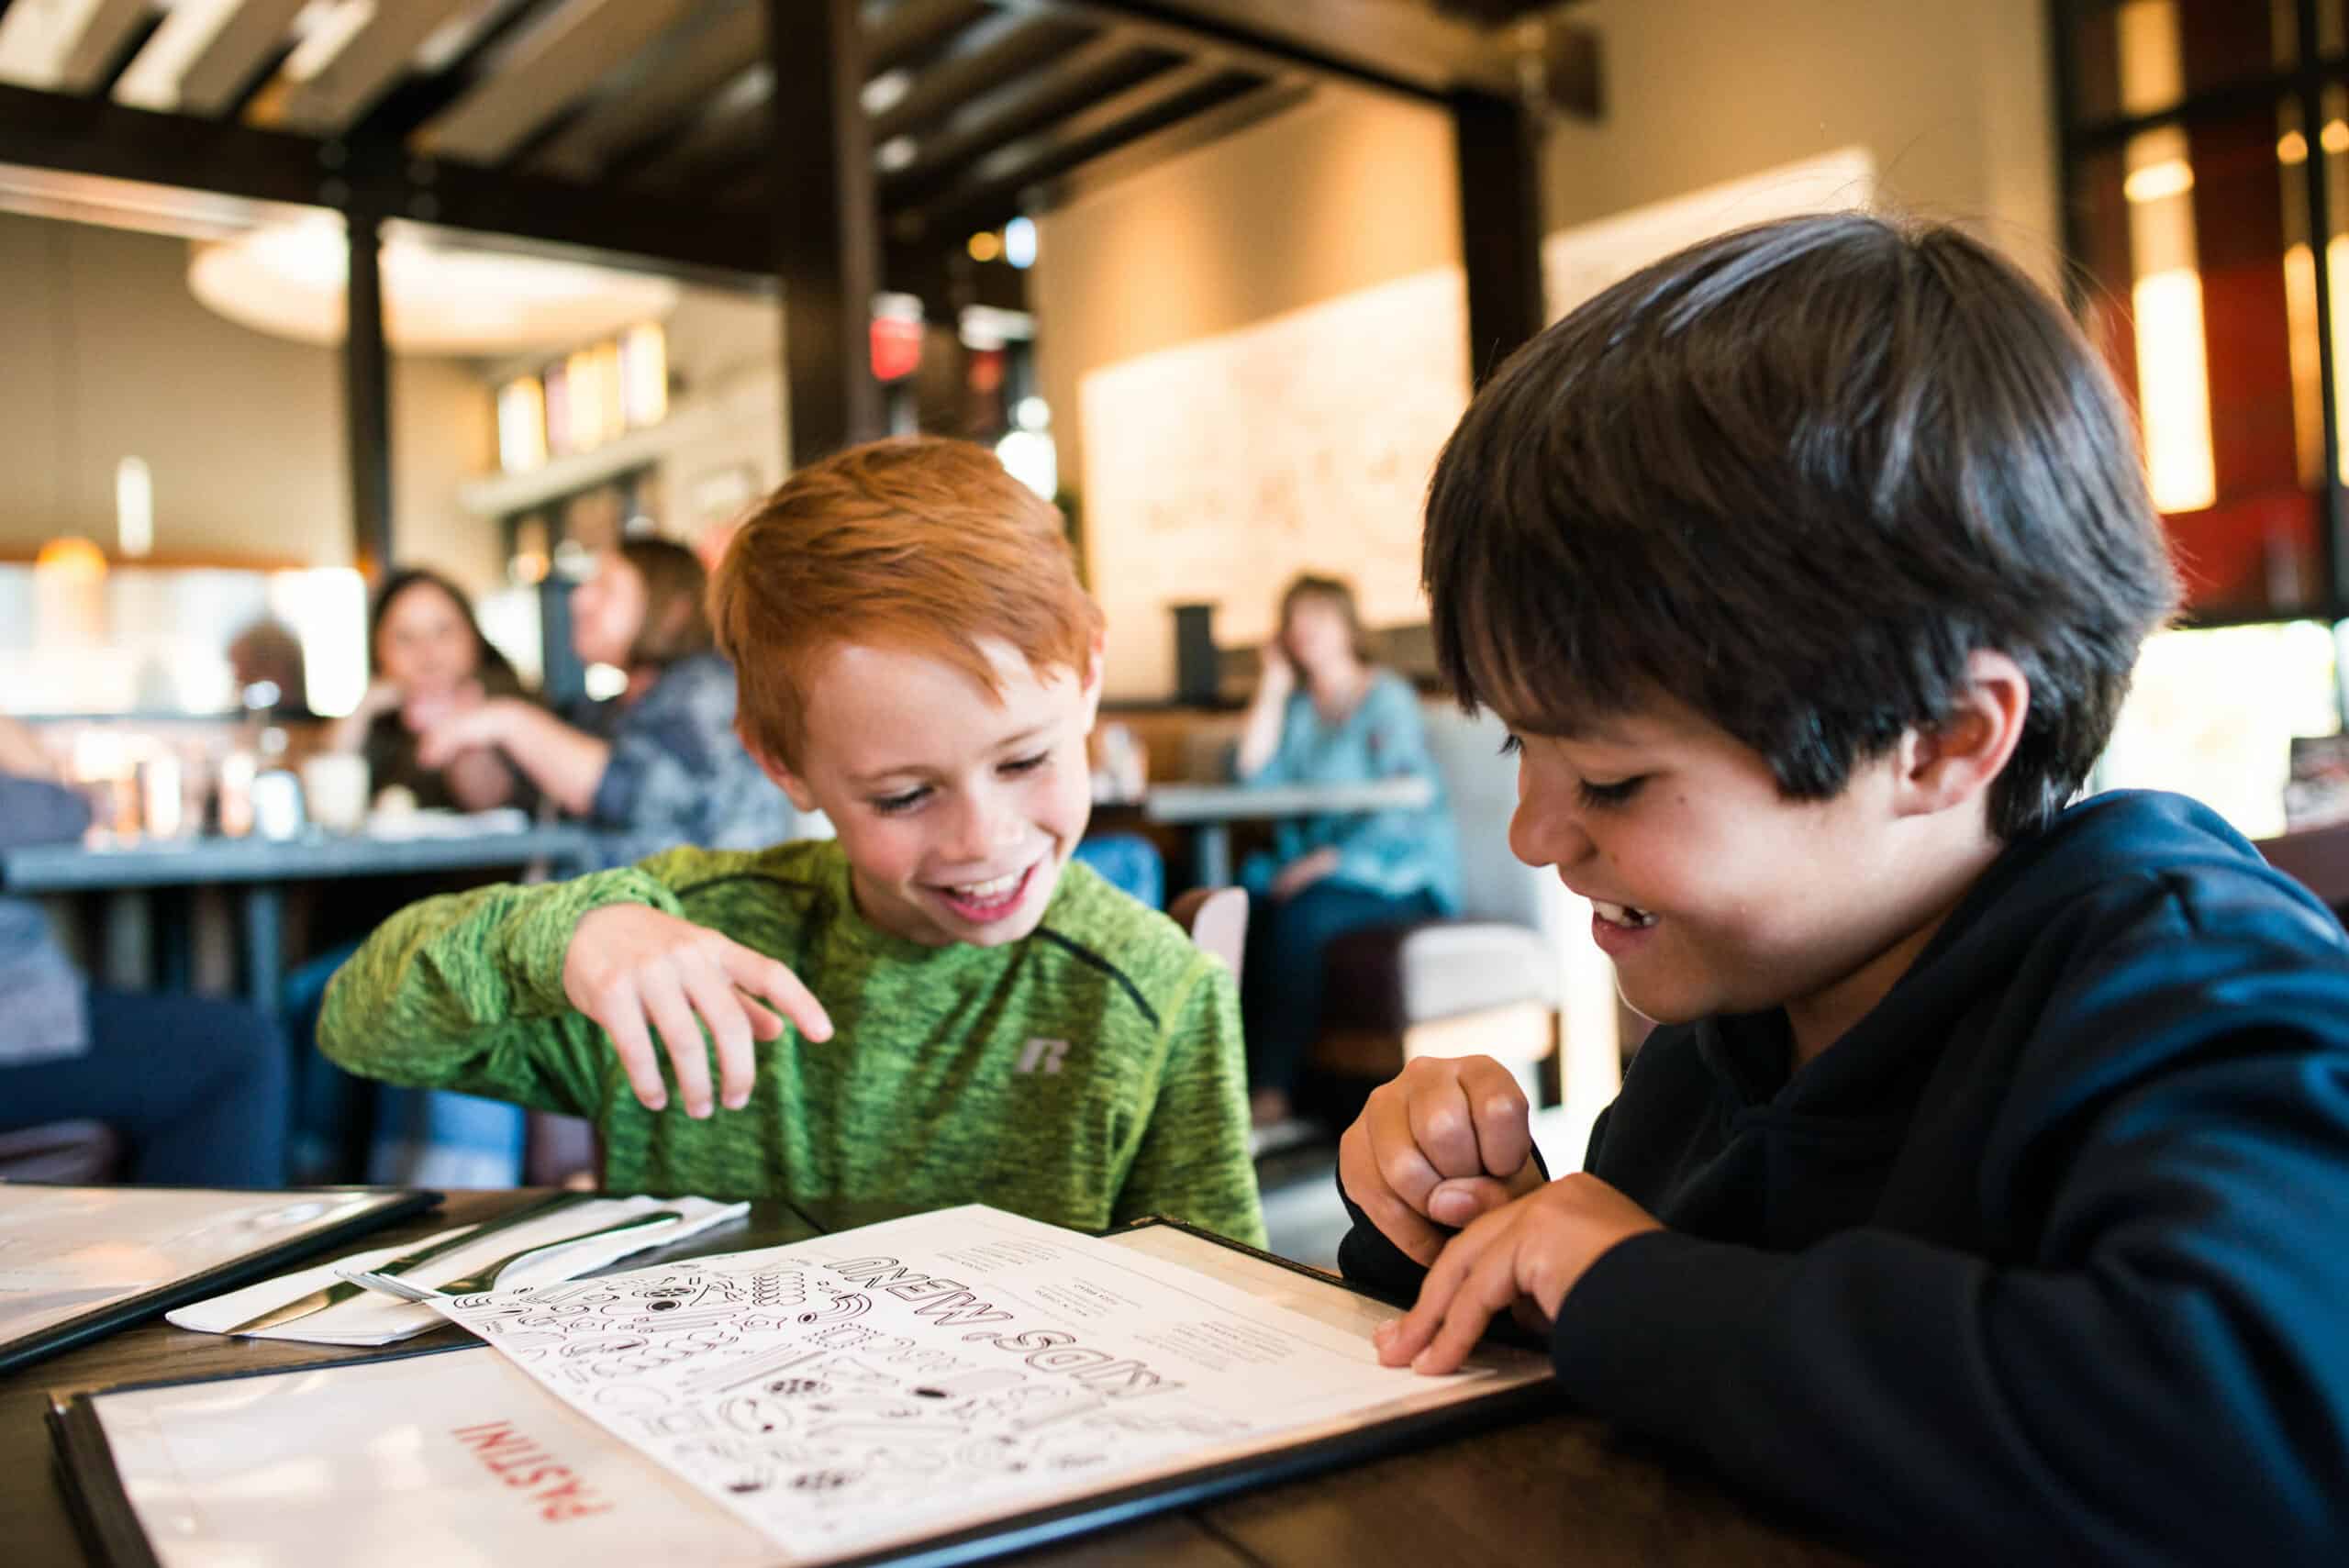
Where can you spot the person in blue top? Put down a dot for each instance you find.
(1324, 714)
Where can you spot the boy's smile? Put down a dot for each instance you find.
(1705, 880)
(956, 806)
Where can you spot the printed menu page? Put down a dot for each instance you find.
(929, 1375)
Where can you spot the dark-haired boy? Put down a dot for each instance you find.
(1985, 1193)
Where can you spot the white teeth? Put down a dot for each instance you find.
(1621, 914)
(996, 888)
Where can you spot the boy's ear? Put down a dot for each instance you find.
(791, 783)
(1095, 662)
(1957, 761)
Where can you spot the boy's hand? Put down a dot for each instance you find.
(1448, 1140)
(1526, 1256)
(629, 966)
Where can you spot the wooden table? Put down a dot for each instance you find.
(1556, 1490)
(1211, 809)
(262, 869)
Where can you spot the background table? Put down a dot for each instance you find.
(262, 869)
(1560, 1489)
(1210, 809)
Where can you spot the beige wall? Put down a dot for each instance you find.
(1953, 100)
(1348, 190)
(109, 356)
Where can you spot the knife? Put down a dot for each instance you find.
(335, 1294)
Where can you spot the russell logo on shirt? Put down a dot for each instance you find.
(1042, 1056)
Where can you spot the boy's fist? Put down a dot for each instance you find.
(1448, 1140)
(630, 967)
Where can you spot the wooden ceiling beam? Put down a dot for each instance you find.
(912, 29)
(68, 46)
(334, 79)
(987, 56)
(1372, 43)
(548, 70)
(1086, 74)
(206, 54)
(731, 132)
(674, 91)
(96, 136)
(473, 46)
(992, 191)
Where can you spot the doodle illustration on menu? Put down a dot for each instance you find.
(783, 1385)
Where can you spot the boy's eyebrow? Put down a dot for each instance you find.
(1034, 732)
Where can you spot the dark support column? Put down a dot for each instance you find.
(827, 240)
(1498, 152)
(367, 399)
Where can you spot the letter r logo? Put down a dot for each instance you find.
(1043, 1053)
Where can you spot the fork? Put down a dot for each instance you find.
(485, 1277)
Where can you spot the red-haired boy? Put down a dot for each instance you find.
(978, 1019)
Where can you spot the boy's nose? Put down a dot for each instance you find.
(983, 827)
(1541, 837)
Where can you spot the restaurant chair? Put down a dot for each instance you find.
(1217, 921)
(1485, 982)
(72, 1153)
(2317, 858)
(560, 1151)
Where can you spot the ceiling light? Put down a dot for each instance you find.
(288, 281)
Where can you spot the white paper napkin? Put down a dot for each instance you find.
(372, 1318)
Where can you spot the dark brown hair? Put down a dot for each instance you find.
(677, 621)
(1792, 477)
(488, 663)
(921, 542)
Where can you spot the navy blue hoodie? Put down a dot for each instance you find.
(2046, 1260)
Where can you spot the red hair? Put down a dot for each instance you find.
(918, 543)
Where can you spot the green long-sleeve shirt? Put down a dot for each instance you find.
(1088, 1074)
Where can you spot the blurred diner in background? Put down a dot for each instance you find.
(353, 552)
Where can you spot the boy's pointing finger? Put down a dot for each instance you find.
(1402, 1340)
(763, 976)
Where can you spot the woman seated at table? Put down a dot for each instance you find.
(1324, 714)
(429, 660)
(194, 1087)
(659, 765)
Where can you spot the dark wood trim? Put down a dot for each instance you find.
(827, 228)
(675, 84)
(1087, 74)
(84, 136)
(1498, 152)
(1164, 99)
(367, 401)
(1395, 49)
(984, 58)
(414, 101)
(2314, 173)
(912, 29)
